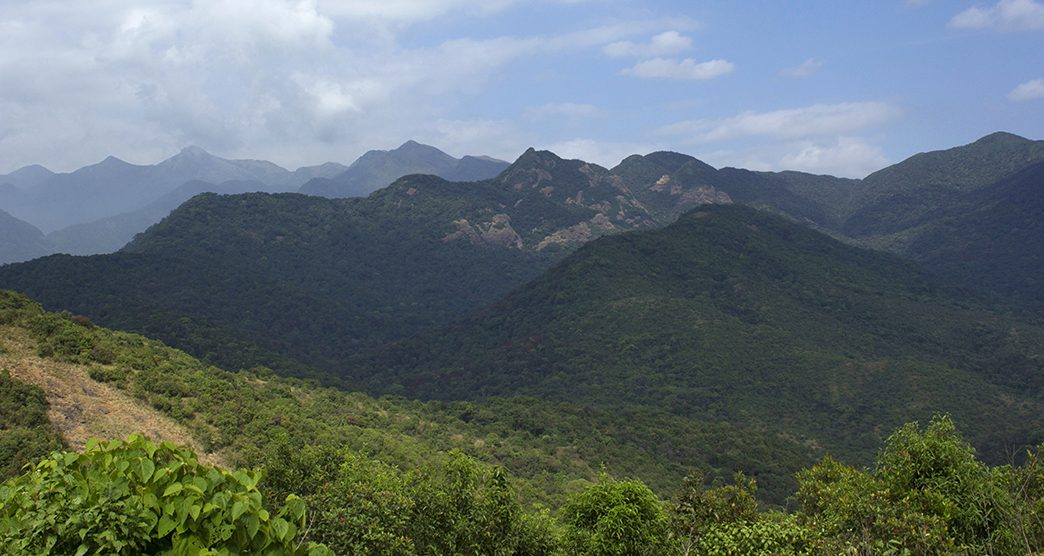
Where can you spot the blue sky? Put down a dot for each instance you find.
(820, 86)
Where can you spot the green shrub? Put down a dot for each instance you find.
(616, 518)
(25, 431)
(114, 375)
(136, 497)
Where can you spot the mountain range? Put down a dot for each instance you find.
(99, 208)
(660, 290)
(378, 168)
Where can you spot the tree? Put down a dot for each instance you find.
(616, 518)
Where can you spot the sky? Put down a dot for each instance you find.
(822, 86)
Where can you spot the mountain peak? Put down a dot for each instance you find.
(193, 150)
(533, 157)
(412, 146)
(1001, 138)
(113, 161)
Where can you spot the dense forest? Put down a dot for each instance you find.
(380, 491)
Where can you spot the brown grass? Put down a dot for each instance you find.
(82, 408)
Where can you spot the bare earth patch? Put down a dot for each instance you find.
(82, 408)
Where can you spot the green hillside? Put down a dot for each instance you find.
(551, 448)
(298, 282)
(367, 476)
(733, 315)
(918, 189)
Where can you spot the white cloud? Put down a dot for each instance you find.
(664, 44)
(571, 110)
(849, 157)
(680, 69)
(809, 121)
(603, 153)
(408, 11)
(1030, 90)
(295, 81)
(806, 69)
(1005, 15)
(846, 157)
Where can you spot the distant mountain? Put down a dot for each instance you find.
(377, 169)
(224, 271)
(114, 187)
(20, 240)
(27, 176)
(670, 183)
(992, 241)
(735, 315)
(326, 170)
(922, 187)
(111, 234)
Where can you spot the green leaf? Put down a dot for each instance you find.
(173, 489)
(252, 524)
(238, 509)
(145, 470)
(280, 528)
(165, 526)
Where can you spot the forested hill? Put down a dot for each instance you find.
(367, 476)
(735, 315)
(270, 279)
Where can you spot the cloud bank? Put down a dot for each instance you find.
(1005, 15)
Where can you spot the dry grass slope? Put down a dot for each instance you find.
(82, 408)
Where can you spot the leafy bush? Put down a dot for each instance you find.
(136, 497)
(452, 505)
(114, 375)
(616, 518)
(928, 495)
(763, 537)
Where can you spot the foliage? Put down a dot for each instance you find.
(927, 495)
(25, 431)
(774, 535)
(698, 508)
(452, 505)
(733, 316)
(614, 517)
(136, 497)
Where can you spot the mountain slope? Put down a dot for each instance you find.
(20, 241)
(920, 188)
(27, 176)
(103, 383)
(113, 186)
(377, 169)
(112, 233)
(735, 315)
(259, 278)
(993, 241)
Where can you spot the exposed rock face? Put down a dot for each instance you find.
(704, 195)
(579, 233)
(495, 233)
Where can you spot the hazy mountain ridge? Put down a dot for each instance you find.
(112, 233)
(378, 168)
(26, 176)
(99, 208)
(54, 201)
(21, 240)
